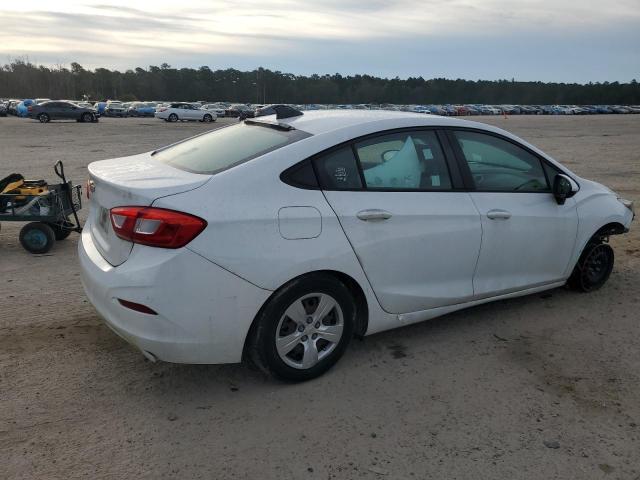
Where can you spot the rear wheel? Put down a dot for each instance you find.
(173, 117)
(44, 118)
(593, 268)
(304, 329)
(207, 118)
(37, 237)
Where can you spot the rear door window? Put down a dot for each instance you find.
(338, 170)
(226, 147)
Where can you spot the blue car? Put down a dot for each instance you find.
(100, 107)
(23, 107)
(141, 109)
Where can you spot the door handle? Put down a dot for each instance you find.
(373, 215)
(498, 215)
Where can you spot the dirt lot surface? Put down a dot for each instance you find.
(546, 386)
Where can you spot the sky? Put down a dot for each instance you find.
(546, 40)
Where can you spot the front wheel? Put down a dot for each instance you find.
(207, 118)
(593, 268)
(304, 328)
(87, 117)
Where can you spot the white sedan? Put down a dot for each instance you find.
(280, 238)
(216, 108)
(184, 111)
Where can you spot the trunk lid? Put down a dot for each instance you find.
(129, 181)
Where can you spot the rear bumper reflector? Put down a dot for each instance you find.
(138, 307)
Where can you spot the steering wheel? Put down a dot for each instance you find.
(388, 155)
(533, 181)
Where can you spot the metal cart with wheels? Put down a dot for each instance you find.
(52, 214)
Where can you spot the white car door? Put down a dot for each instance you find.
(416, 237)
(527, 237)
(190, 113)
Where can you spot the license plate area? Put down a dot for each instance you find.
(103, 219)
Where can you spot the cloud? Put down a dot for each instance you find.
(390, 37)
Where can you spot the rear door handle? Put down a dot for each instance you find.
(498, 215)
(373, 215)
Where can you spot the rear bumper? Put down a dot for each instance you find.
(204, 312)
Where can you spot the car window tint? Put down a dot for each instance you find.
(405, 161)
(338, 170)
(499, 165)
(551, 171)
(226, 147)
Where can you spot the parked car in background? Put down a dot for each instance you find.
(3, 109)
(357, 222)
(141, 109)
(114, 108)
(265, 110)
(12, 107)
(61, 110)
(22, 108)
(218, 109)
(184, 111)
(240, 110)
(619, 109)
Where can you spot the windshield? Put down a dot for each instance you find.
(226, 147)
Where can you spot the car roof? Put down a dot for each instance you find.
(343, 125)
(323, 121)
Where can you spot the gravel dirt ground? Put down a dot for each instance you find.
(545, 386)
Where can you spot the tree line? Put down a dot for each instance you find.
(23, 79)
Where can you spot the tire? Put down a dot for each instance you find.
(207, 118)
(61, 230)
(37, 237)
(44, 118)
(87, 117)
(173, 117)
(593, 268)
(316, 340)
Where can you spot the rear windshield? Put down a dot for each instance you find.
(226, 147)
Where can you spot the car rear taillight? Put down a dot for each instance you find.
(30, 108)
(162, 109)
(155, 227)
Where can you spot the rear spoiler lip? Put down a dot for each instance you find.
(275, 125)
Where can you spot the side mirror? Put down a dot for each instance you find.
(563, 188)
